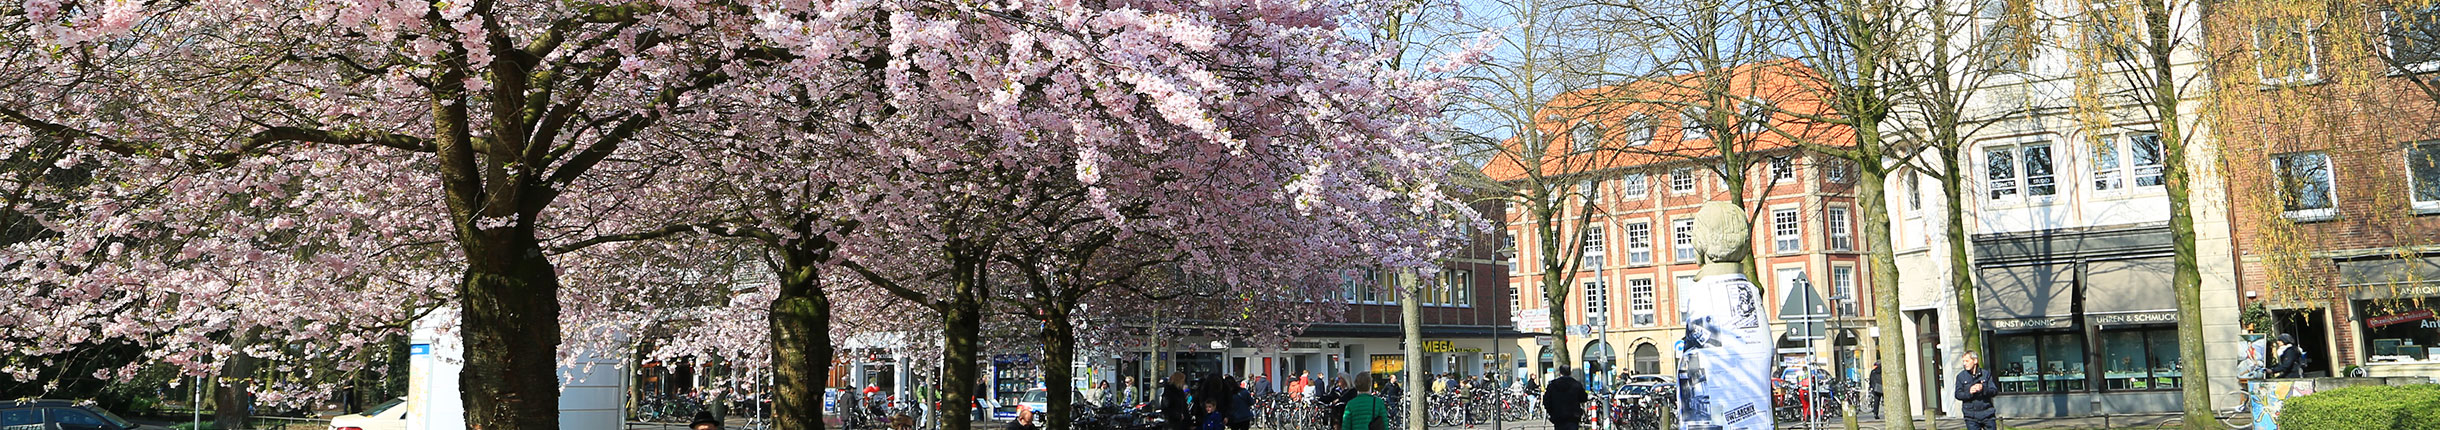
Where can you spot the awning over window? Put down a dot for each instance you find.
(2125, 292)
(2391, 278)
(2026, 297)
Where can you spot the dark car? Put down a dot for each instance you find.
(60, 415)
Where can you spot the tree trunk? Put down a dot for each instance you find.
(1961, 266)
(2188, 279)
(510, 324)
(1058, 351)
(800, 342)
(233, 397)
(1555, 279)
(961, 337)
(1410, 321)
(1872, 200)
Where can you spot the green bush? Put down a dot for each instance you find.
(2379, 407)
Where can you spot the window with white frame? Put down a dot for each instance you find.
(1914, 191)
(1461, 286)
(2306, 190)
(2019, 171)
(2285, 51)
(2423, 168)
(1757, 117)
(1639, 243)
(1640, 302)
(1835, 169)
(1788, 278)
(1841, 236)
(1596, 299)
(1783, 170)
(2003, 25)
(2121, 159)
(1515, 256)
(1842, 286)
(2412, 37)
(1690, 125)
(1633, 186)
(1584, 137)
(1592, 248)
(1684, 283)
(1638, 130)
(1516, 303)
(1681, 239)
(1681, 180)
(1786, 230)
(1591, 190)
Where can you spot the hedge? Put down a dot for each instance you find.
(2373, 407)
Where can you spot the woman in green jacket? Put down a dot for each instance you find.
(1364, 410)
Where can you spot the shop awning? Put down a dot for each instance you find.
(2391, 278)
(2122, 292)
(2026, 297)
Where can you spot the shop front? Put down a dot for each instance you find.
(2081, 333)
(2396, 303)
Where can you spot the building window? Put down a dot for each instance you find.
(2003, 30)
(2285, 52)
(2038, 363)
(2402, 334)
(2139, 360)
(1842, 291)
(1633, 186)
(1363, 285)
(1516, 303)
(2118, 158)
(1592, 248)
(1757, 117)
(2414, 39)
(1681, 180)
(1639, 243)
(1596, 302)
(1591, 190)
(1690, 125)
(1681, 239)
(2423, 165)
(1640, 302)
(1584, 136)
(1842, 237)
(1639, 130)
(1783, 170)
(1835, 170)
(2305, 189)
(1914, 191)
(2020, 171)
(1461, 286)
(1785, 232)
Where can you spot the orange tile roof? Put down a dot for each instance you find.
(1786, 84)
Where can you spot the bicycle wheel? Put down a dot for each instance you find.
(2239, 417)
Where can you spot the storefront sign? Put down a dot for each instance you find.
(2028, 323)
(2134, 318)
(1533, 320)
(1436, 346)
(2393, 319)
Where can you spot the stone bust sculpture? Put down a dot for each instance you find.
(1722, 238)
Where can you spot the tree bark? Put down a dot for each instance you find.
(1871, 199)
(800, 338)
(961, 337)
(1058, 351)
(1410, 321)
(510, 324)
(1961, 265)
(2188, 279)
(233, 397)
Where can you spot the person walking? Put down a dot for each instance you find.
(1563, 400)
(1975, 388)
(1240, 406)
(2291, 360)
(1873, 380)
(1174, 406)
(1363, 410)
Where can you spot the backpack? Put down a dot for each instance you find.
(1379, 408)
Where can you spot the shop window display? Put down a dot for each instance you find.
(2140, 360)
(2037, 363)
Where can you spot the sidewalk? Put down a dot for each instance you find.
(2067, 423)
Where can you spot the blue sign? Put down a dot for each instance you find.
(420, 349)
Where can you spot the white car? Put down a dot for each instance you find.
(390, 415)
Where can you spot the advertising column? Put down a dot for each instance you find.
(1724, 366)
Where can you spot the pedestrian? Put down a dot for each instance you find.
(1391, 390)
(1975, 388)
(1873, 380)
(1305, 389)
(1240, 408)
(1025, 419)
(1174, 406)
(704, 421)
(1130, 396)
(2291, 359)
(1363, 411)
(1564, 401)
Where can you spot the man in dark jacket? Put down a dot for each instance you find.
(1563, 400)
(1975, 388)
(1174, 406)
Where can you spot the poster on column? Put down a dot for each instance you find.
(1725, 364)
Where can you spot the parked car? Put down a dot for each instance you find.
(61, 415)
(390, 415)
(1039, 401)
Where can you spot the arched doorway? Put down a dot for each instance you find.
(1549, 361)
(1599, 360)
(1847, 355)
(1647, 359)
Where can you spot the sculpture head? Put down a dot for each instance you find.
(1720, 233)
